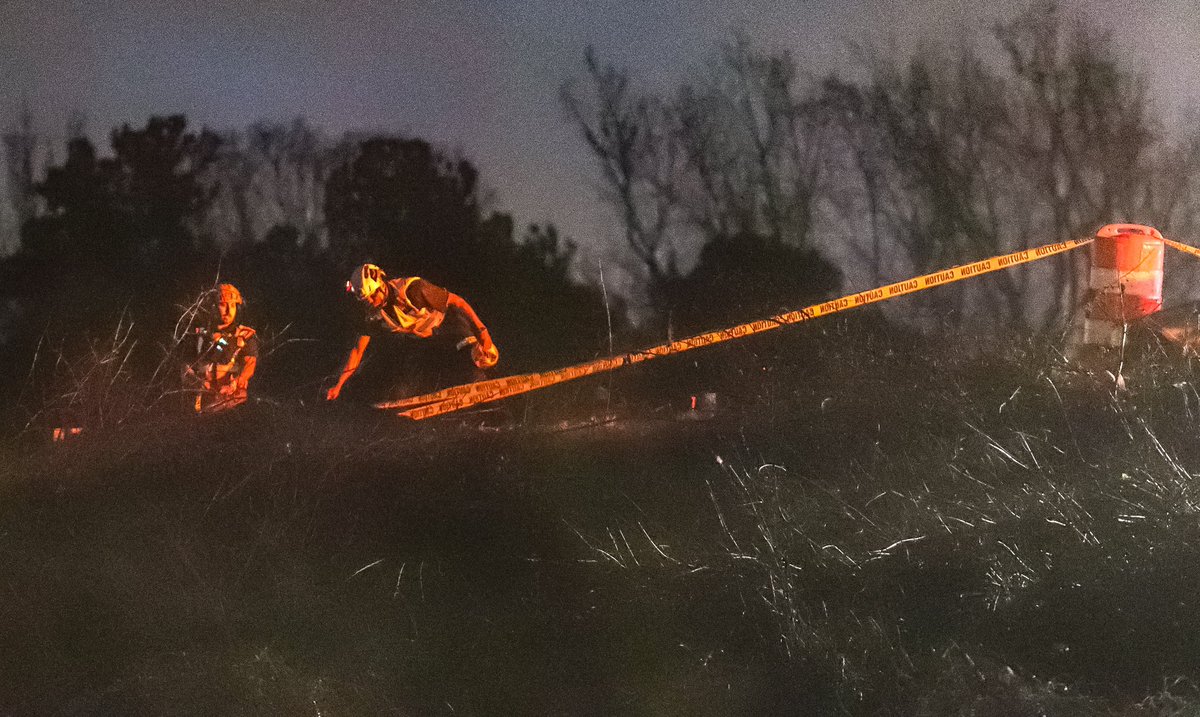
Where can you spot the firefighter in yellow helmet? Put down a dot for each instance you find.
(226, 356)
(415, 307)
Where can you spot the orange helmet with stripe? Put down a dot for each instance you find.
(229, 294)
(228, 301)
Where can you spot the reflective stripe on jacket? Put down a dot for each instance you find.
(401, 317)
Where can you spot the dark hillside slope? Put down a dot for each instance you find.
(880, 534)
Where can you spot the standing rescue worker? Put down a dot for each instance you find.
(413, 306)
(226, 356)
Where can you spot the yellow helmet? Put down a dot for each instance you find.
(229, 294)
(365, 281)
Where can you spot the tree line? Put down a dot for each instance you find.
(734, 192)
(1044, 132)
(130, 240)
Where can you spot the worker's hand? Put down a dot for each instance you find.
(228, 388)
(485, 341)
(484, 353)
(333, 393)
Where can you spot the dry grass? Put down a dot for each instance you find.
(864, 534)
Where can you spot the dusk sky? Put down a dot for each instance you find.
(479, 76)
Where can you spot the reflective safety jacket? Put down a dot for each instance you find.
(221, 358)
(222, 349)
(418, 314)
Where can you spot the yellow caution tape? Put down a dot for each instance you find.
(459, 397)
(1182, 247)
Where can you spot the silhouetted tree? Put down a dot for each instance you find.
(757, 147)
(749, 277)
(273, 174)
(403, 204)
(1083, 133)
(956, 158)
(126, 223)
(632, 139)
(20, 151)
(924, 140)
(545, 315)
(117, 237)
(734, 170)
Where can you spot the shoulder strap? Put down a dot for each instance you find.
(409, 281)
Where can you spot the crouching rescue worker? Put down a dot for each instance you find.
(412, 306)
(226, 356)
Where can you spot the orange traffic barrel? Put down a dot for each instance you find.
(1125, 283)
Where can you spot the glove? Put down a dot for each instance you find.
(485, 357)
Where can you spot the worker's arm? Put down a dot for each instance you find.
(353, 359)
(237, 384)
(454, 301)
(249, 364)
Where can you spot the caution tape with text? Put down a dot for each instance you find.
(458, 397)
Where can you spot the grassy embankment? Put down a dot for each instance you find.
(864, 531)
